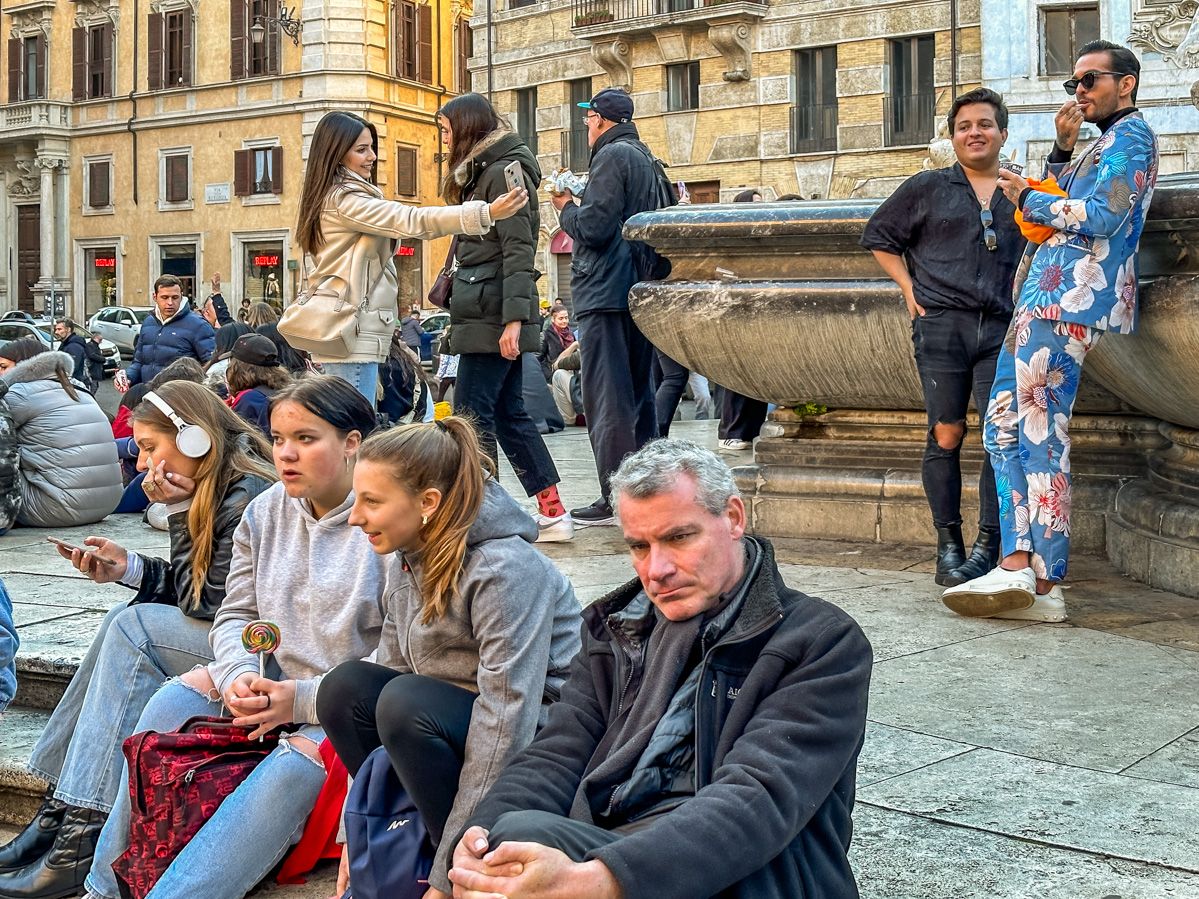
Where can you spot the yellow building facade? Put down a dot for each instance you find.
(143, 138)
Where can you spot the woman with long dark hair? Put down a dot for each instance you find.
(494, 315)
(349, 231)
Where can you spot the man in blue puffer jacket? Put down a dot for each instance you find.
(172, 331)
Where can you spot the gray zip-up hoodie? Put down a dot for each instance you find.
(509, 636)
(318, 579)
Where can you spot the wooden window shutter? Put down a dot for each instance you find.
(154, 73)
(189, 19)
(465, 51)
(406, 53)
(425, 50)
(237, 39)
(243, 162)
(106, 41)
(177, 178)
(97, 185)
(15, 53)
(41, 65)
(79, 63)
(276, 170)
(272, 39)
(406, 160)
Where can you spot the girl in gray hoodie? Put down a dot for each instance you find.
(478, 632)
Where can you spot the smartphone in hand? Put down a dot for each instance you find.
(70, 547)
(514, 176)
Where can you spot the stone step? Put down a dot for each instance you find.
(41, 681)
(20, 791)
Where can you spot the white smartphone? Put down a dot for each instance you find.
(513, 175)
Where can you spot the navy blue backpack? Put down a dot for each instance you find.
(390, 850)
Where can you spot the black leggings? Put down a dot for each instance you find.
(422, 721)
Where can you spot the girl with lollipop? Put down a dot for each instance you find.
(297, 564)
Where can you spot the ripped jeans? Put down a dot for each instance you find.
(246, 837)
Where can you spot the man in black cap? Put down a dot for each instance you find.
(618, 389)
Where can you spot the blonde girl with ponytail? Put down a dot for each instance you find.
(479, 628)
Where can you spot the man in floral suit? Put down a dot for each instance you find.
(1079, 283)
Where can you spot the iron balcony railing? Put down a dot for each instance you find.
(576, 154)
(814, 128)
(601, 12)
(908, 119)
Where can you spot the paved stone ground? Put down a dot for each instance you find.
(1002, 759)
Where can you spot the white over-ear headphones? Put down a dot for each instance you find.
(192, 440)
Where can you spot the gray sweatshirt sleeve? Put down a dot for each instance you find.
(512, 616)
(239, 608)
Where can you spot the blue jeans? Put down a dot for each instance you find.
(8, 650)
(136, 649)
(362, 376)
(246, 837)
(134, 498)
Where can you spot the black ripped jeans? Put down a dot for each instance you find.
(423, 722)
(956, 351)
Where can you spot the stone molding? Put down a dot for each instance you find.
(732, 40)
(1174, 33)
(615, 57)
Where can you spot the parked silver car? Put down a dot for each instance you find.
(120, 324)
(15, 329)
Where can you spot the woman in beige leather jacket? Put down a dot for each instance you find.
(349, 231)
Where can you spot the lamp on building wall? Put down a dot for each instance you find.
(287, 22)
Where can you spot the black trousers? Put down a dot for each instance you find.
(672, 381)
(423, 722)
(618, 388)
(956, 352)
(490, 388)
(741, 417)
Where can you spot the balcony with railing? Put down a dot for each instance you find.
(34, 118)
(814, 128)
(596, 18)
(576, 153)
(909, 119)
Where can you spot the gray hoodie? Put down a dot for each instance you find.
(509, 636)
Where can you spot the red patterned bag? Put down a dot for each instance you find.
(177, 781)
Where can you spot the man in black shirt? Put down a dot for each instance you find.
(949, 239)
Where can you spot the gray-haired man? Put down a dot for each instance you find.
(707, 738)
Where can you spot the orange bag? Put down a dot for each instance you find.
(1038, 234)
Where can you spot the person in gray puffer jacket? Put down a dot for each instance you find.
(69, 473)
(10, 467)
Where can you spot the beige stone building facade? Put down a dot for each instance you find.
(819, 98)
(143, 137)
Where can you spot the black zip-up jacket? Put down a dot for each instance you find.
(76, 347)
(622, 182)
(779, 722)
(170, 582)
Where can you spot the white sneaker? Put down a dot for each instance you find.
(734, 446)
(997, 592)
(1049, 607)
(554, 530)
(156, 517)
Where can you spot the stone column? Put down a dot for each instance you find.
(47, 210)
(5, 273)
(62, 223)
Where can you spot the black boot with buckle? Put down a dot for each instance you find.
(61, 871)
(983, 558)
(36, 839)
(951, 554)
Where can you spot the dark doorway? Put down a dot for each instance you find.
(180, 260)
(29, 251)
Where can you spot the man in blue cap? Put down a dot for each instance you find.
(617, 381)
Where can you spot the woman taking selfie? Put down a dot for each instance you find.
(298, 563)
(207, 464)
(494, 313)
(350, 231)
(479, 627)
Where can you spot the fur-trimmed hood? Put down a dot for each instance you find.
(39, 368)
(464, 172)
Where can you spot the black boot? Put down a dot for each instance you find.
(61, 871)
(983, 558)
(951, 553)
(36, 839)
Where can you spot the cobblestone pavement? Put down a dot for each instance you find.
(1003, 759)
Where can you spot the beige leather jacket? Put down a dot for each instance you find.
(360, 230)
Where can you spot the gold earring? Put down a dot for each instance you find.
(424, 520)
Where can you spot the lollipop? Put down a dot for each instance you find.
(261, 638)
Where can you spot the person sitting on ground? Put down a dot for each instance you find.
(161, 632)
(555, 339)
(69, 471)
(9, 643)
(707, 740)
(182, 369)
(567, 386)
(214, 371)
(10, 469)
(253, 376)
(405, 386)
(297, 561)
(478, 633)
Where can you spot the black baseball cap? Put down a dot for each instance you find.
(613, 104)
(256, 349)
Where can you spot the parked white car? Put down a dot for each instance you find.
(120, 324)
(39, 328)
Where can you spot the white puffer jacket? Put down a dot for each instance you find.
(360, 229)
(69, 470)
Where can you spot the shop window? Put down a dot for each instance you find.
(92, 63)
(98, 184)
(99, 278)
(262, 275)
(410, 271)
(258, 171)
(1064, 31)
(26, 68)
(406, 171)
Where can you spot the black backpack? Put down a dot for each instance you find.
(648, 263)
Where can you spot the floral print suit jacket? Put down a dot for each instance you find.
(1086, 273)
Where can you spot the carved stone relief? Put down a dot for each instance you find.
(615, 57)
(1173, 32)
(27, 183)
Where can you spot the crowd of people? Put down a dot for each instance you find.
(548, 750)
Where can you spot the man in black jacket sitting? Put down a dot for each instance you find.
(707, 739)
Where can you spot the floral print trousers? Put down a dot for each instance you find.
(1026, 433)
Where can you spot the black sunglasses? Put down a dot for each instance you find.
(990, 238)
(1087, 80)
